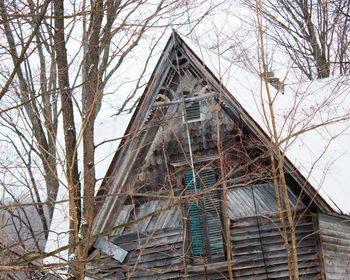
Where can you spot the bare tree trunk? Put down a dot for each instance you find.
(319, 49)
(311, 32)
(92, 94)
(279, 178)
(68, 125)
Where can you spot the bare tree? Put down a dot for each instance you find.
(79, 50)
(42, 115)
(48, 85)
(314, 34)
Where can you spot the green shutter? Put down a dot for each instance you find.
(195, 216)
(212, 207)
(205, 215)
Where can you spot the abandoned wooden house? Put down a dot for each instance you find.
(164, 209)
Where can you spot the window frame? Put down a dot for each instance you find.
(209, 243)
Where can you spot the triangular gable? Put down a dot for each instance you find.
(153, 124)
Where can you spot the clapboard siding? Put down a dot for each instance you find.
(156, 255)
(165, 219)
(159, 254)
(250, 243)
(261, 199)
(153, 164)
(335, 240)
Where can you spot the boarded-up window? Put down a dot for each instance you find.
(204, 215)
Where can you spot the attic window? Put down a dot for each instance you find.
(192, 110)
(204, 216)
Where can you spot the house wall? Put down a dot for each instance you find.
(259, 250)
(158, 245)
(158, 248)
(335, 240)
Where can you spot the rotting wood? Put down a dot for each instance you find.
(163, 256)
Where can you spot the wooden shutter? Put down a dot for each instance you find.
(195, 216)
(213, 213)
(204, 215)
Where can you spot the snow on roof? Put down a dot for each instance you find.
(312, 119)
(321, 153)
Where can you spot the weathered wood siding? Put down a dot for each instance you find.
(335, 240)
(259, 251)
(259, 199)
(155, 255)
(154, 174)
(168, 219)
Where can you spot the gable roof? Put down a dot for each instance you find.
(313, 115)
(119, 169)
